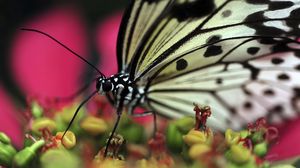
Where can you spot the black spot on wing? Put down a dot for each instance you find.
(277, 61)
(277, 109)
(293, 22)
(267, 41)
(219, 81)
(232, 110)
(248, 105)
(255, 21)
(213, 50)
(194, 9)
(272, 5)
(268, 92)
(296, 92)
(226, 13)
(280, 5)
(283, 77)
(213, 39)
(181, 64)
(297, 67)
(257, 2)
(247, 92)
(254, 71)
(296, 99)
(252, 50)
(275, 112)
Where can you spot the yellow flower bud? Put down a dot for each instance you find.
(239, 154)
(93, 125)
(69, 140)
(232, 137)
(109, 163)
(142, 163)
(244, 133)
(59, 158)
(197, 150)
(196, 137)
(67, 113)
(43, 123)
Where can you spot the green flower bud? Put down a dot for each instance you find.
(59, 158)
(283, 166)
(67, 113)
(265, 165)
(244, 134)
(125, 120)
(42, 123)
(261, 149)
(198, 150)
(250, 164)
(36, 110)
(195, 137)
(4, 138)
(232, 137)
(25, 156)
(257, 137)
(7, 153)
(174, 138)
(185, 124)
(93, 125)
(238, 154)
(133, 133)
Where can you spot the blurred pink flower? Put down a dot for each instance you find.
(42, 67)
(10, 121)
(287, 146)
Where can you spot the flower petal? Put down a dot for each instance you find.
(41, 66)
(10, 121)
(288, 145)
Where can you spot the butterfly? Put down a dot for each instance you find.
(240, 57)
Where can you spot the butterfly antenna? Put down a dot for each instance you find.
(54, 39)
(76, 112)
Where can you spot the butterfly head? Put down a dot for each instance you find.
(104, 85)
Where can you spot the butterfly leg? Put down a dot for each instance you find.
(119, 113)
(146, 113)
(112, 135)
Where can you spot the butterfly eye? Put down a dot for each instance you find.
(107, 86)
(98, 84)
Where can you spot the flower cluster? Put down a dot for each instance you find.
(186, 142)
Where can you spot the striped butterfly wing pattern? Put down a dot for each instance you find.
(240, 57)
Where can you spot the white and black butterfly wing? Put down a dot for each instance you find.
(225, 19)
(139, 18)
(238, 91)
(203, 51)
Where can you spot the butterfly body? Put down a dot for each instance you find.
(121, 91)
